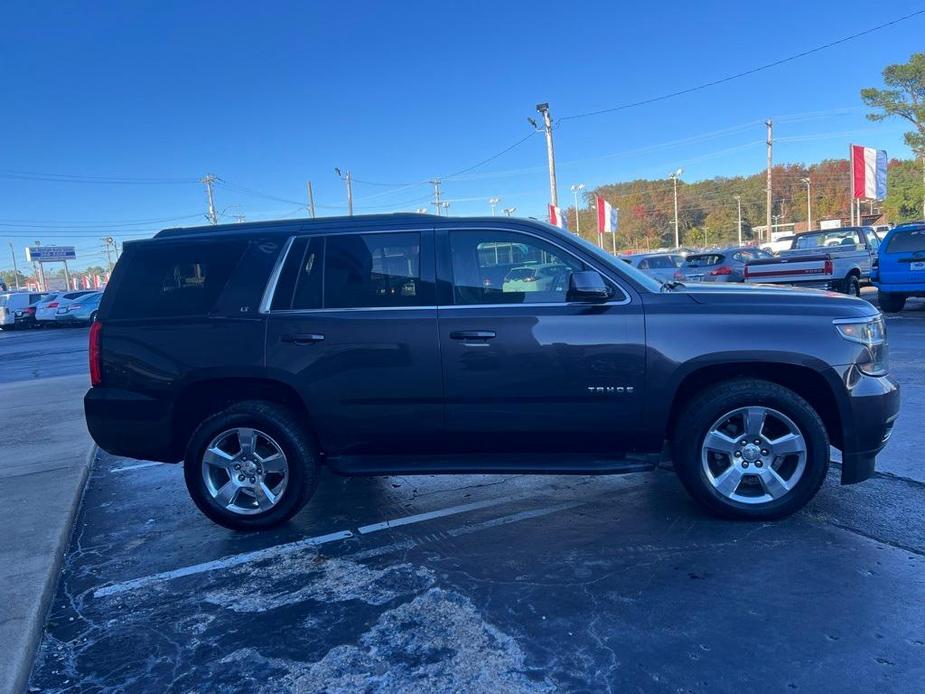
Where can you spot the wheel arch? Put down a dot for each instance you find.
(202, 398)
(805, 381)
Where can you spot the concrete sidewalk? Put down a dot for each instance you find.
(46, 456)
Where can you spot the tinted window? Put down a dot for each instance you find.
(175, 280)
(374, 270)
(495, 267)
(660, 262)
(907, 241)
(704, 260)
(299, 284)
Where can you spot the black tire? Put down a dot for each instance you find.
(852, 286)
(891, 303)
(711, 404)
(279, 423)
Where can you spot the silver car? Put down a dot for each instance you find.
(723, 265)
(661, 266)
(81, 311)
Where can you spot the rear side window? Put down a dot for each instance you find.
(175, 280)
(704, 260)
(907, 241)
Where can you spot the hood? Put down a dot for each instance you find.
(767, 297)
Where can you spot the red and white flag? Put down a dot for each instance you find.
(868, 172)
(606, 217)
(556, 218)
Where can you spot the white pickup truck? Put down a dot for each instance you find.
(835, 259)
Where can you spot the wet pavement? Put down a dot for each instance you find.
(503, 584)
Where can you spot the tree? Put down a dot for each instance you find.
(905, 98)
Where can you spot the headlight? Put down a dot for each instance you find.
(870, 332)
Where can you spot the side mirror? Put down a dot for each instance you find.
(587, 285)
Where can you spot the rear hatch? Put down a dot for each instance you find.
(696, 267)
(902, 257)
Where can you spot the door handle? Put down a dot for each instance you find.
(472, 334)
(303, 338)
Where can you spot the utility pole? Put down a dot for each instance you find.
(509, 211)
(446, 207)
(108, 240)
(550, 153)
(739, 204)
(809, 203)
(347, 180)
(575, 190)
(209, 181)
(770, 160)
(15, 270)
(436, 203)
(311, 199)
(493, 202)
(677, 234)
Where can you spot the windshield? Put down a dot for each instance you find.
(624, 269)
(907, 241)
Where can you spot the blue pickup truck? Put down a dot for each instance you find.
(900, 271)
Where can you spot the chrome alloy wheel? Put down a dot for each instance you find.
(245, 471)
(753, 455)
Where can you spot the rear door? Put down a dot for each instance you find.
(353, 326)
(526, 370)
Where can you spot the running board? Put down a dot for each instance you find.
(489, 464)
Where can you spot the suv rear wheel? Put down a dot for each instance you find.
(750, 449)
(891, 303)
(251, 466)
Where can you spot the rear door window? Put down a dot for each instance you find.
(704, 260)
(909, 241)
(175, 279)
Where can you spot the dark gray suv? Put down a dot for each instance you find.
(400, 344)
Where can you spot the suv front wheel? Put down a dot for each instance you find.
(251, 466)
(750, 449)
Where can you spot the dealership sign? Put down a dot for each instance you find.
(48, 254)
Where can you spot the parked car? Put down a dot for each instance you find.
(258, 352)
(724, 265)
(80, 311)
(900, 270)
(47, 308)
(17, 309)
(835, 259)
(782, 243)
(661, 266)
(540, 277)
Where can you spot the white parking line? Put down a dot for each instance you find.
(440, 513)
(134, 467)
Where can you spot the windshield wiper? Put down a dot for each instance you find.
(671, 284)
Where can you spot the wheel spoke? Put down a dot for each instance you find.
(274, 463)
(227, 494)
(265, 498)
(247, 438)
(718, 441)
(788, 444)
(773, 483)
(217, 457)
(754, 420)
(728, 481)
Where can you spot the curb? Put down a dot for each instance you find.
(34, 631)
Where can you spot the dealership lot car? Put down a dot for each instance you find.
(17, 309)
(900, 270)
(47, 308)
(372, 345)
(726, 265)
(661, 266)
(79, 311)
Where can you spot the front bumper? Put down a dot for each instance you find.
(872, 407)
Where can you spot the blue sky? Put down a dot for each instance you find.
(268, 97)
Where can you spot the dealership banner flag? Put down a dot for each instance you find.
(606, 217)
(556, 218)
(868, 172)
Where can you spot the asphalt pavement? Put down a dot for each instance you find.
(500, 583)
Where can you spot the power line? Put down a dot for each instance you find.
(75, 178)
(745, 73)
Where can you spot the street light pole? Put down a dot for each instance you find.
(550, 153)
(494, 203)
(575, 190)
(739, 204)
(809, 203)
(509, 211)
(677, 235)
(349, 182)
(15, 270)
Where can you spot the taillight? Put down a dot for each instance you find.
(96, 356)
(721, 270)
(53, 304)
(678, 275)
(829, 268)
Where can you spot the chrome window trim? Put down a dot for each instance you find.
(270, 289)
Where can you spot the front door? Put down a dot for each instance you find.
(353, 326)
(523, 368)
